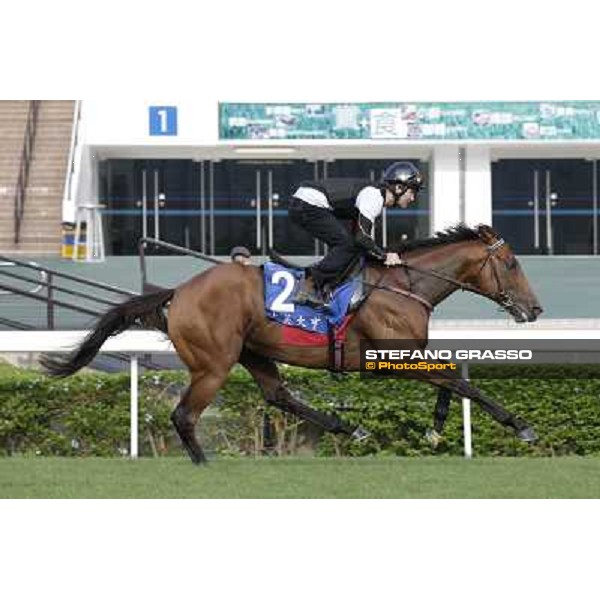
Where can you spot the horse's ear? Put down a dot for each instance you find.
(486, 233)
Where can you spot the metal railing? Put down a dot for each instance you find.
(34, 290)
(46, 290)
(145, 242)
(24, 165)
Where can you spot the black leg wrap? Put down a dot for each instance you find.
(187, 435)
(442, 408)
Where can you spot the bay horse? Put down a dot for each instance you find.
(217, 319)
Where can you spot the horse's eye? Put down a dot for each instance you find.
(511, 263)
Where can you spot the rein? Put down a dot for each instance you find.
(396, 290)
(502, 296)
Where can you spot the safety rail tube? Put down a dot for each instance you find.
(38, 286)
(58, 288)
(26, 154)
(154, 242)
(49, 298)
(144, 242)
(68, 189)
(82, 280)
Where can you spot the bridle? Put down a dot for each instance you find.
(501, 296)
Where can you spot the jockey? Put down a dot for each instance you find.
(241, 255)
(318, 206)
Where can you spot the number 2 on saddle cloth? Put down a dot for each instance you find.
(304, 325)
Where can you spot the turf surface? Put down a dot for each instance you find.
(436, 477)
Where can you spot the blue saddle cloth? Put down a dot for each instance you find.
(281, 284)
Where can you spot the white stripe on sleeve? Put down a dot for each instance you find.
(369, 202)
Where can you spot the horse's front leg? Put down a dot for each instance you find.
(464, 389)
(440, 415)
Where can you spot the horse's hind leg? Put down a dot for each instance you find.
(195, 399)
(266, 374)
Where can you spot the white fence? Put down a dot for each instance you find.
(132, 343)
(135, 343)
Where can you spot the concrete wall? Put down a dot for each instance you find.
(445, 187)
(124, 122)
(478, 186)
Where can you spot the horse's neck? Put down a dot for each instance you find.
(451, 260)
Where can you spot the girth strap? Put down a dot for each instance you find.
(336, 352)
(337, 340)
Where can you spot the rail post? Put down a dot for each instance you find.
(134, 396)
(50, 304)
(466, 405)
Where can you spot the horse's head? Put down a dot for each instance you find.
(499, 276)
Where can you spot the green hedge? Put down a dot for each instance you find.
(88, 414)
(83, 415)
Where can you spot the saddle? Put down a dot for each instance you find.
(355, 270)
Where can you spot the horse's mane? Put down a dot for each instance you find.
(451, 235)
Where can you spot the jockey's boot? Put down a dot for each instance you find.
(312, 296)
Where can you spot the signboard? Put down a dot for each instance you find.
(162, 120)
(577, 120)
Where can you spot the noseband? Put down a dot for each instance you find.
(502, 297)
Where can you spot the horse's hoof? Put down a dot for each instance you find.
(527, 435)
(433, 437)
(199, 460)
(360, 434)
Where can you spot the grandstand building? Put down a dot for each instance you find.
(209, 176)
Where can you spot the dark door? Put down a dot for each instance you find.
(248, 202)
(545, 206)
(151, 198)
(122, 215)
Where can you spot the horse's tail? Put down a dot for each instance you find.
(145, 310)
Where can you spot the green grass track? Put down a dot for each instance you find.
(436, 477)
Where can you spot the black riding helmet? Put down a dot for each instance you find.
(404, 174)
(240, 251)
